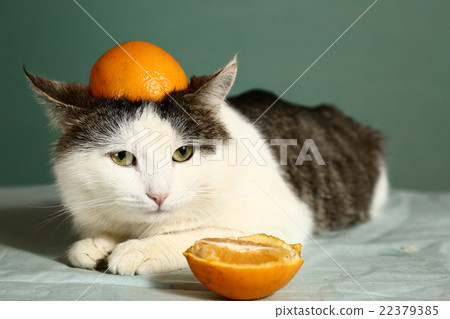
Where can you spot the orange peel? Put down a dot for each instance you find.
(246, 268)
(136, 70)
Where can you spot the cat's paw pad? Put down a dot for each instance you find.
(90, 252)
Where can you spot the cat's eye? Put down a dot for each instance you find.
(183, 153)
(123, 158)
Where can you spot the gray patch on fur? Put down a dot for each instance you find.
(340, 192)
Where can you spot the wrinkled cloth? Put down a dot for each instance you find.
(402, 254)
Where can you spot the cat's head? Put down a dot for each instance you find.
(131, 161)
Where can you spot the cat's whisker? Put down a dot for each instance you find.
(51, 219)
(53, 206)
(213, 193)
(64, 220)
(217, 190)
(209, 188)
(91, 203)
(65, 214)
(56, 212)
(131, 205)
(96, 200)
(128, 200)
(52, 216)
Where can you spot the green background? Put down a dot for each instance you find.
(390, 71)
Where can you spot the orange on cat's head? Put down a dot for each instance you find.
(136, 70)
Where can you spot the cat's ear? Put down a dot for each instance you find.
(212, 89)
(64, 101)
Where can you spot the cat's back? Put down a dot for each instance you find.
(341, 190)
(285, 119)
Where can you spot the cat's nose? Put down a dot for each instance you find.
(158, 198)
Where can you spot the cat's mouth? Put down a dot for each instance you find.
(158, 210)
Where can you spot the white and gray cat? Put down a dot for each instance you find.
(143, 180)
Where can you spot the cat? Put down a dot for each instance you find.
(220, 175)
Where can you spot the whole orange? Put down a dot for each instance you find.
(136, 70)
(245, 268)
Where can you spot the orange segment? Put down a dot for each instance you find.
(136, 70)
(245, 268)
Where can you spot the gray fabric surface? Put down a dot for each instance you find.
(403, 254)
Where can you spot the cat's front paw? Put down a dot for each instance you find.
(90, 252)
(138, 257)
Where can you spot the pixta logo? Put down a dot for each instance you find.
(154, 150)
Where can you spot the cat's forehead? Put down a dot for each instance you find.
(112, 122)
(149, 123)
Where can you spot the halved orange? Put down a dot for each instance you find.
(136, 70)
(246, 268)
